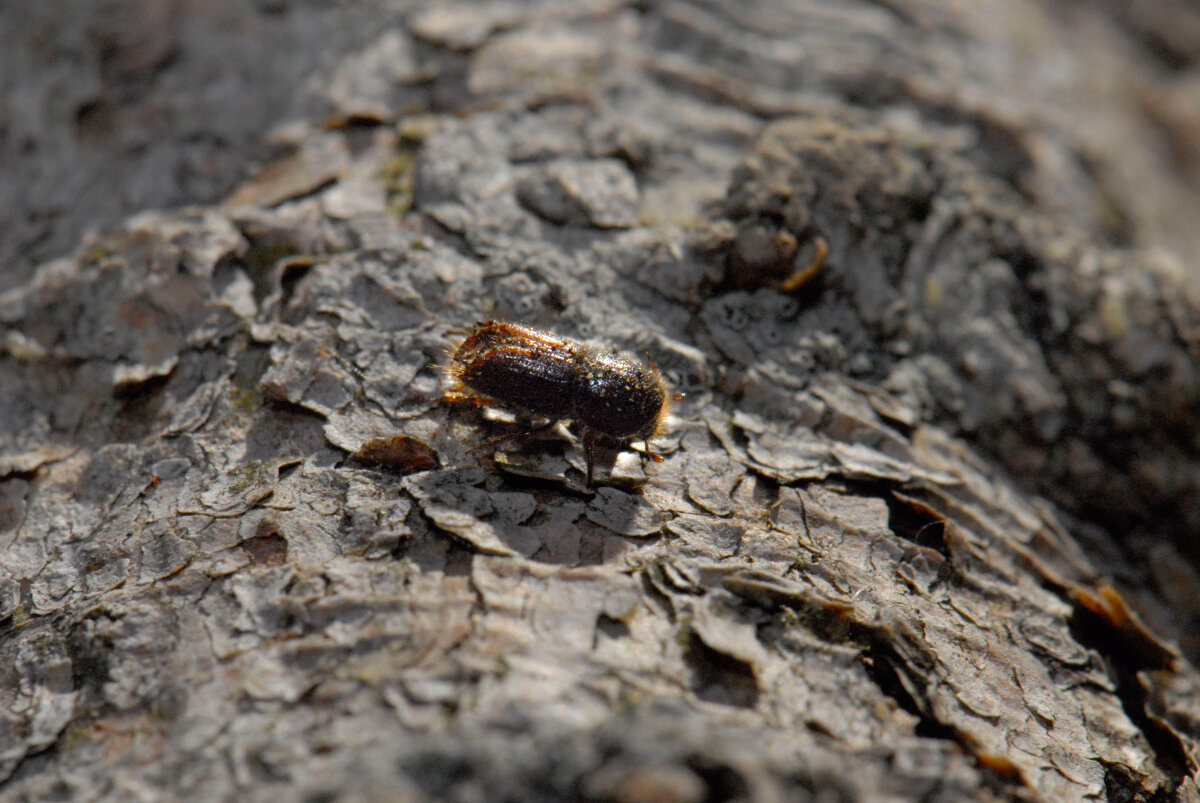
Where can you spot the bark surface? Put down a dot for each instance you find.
(926, 522)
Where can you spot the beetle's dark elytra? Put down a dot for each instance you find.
(618, 396)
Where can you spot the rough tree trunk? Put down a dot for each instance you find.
(925, 271)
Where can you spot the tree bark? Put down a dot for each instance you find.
(925, 523)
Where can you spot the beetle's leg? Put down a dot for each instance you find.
(643, 454)
(589, 452)
(455, 396)
(655, 456)
(516, 436)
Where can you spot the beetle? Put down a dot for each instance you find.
(609, 395)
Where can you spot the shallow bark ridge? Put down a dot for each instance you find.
(936, 447)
